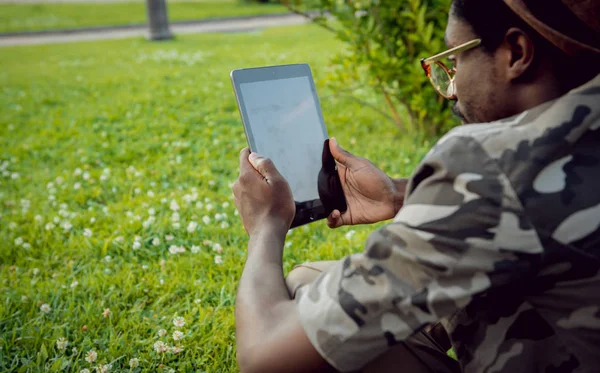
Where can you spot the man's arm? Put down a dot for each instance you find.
(400, 192)
(269, 335)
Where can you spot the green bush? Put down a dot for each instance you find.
(385, 40)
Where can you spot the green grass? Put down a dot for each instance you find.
(47, 16)
(104, 135)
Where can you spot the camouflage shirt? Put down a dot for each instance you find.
(499, 238)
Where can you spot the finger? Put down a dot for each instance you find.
(244, 153)
(334, 220)
(341, 156)
(263, 165)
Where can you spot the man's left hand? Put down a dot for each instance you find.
(262, 196)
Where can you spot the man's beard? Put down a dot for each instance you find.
(456, 111)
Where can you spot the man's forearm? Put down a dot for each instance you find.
(400, 191)
(262, 290)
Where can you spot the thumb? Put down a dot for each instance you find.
(341, 155)
(263, 165)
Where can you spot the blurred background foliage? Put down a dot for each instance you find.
(384, 42)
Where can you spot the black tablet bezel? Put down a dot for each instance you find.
(306, 211)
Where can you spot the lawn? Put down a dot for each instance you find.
(117, 223)
(46, 16)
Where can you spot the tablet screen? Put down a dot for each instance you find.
(285, 124)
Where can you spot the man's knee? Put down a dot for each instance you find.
(304, 274)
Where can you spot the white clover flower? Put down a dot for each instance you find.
(195, 249)
(86, 176)
(103, 177)
(350, 234)
(18, 241)
(175, 217)
(137, 191)
(176, 226)
(103, 368)
(134, 362)
(62, 343)
(206, 219)
(156, 241)
(14, 175)
(91, 356)
(207, 243)
(162, 332)
(66, 226)
(360, 13)
(218, 259)
(77, 186)
(74, 284)
(45, 308)
(36, 271)
(179, 321)
(217, 248)
(107, 312)
(77, 171)
(288, 244)
(225, 205)
(137, 238)
(150, 194)
(24, 298)
(87, 232)
(197, 301)
(160, 347)
(74, 351)
(107, 258)
(173, 249)
(174, 206)
(39, 218)
(176, 350)
(119, 239)
(169, 237)
(199, 205)
(49, 226)
(136, 245)
(151, 211)
(84, 370)
(191, 228)
(177, 335)
(209, 206)
(224, 225)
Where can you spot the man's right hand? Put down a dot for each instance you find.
(371, 195)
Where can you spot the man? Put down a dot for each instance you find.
(498, 236)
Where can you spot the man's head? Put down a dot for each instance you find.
(515, 67)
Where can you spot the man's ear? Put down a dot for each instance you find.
(520, 53)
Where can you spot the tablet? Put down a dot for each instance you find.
(283, 121)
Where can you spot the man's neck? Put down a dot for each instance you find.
(543, 90)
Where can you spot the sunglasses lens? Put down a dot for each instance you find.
(441, 80)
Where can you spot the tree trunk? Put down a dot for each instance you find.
(158, 21)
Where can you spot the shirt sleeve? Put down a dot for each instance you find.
(461, 233)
